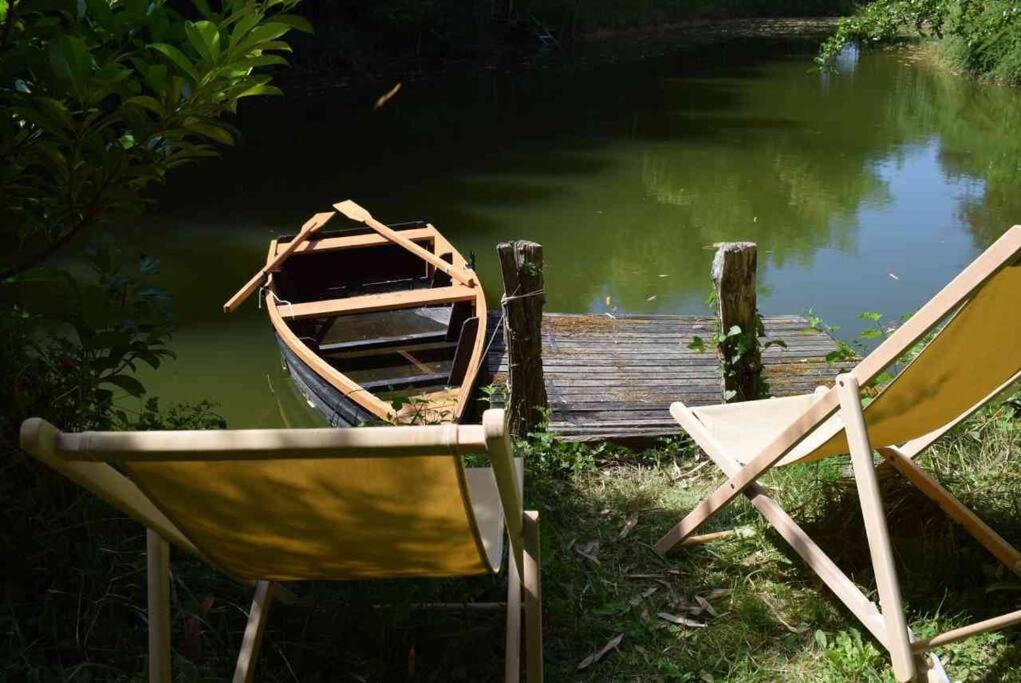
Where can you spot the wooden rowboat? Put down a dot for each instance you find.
(375, 323)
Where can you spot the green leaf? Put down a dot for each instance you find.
(294, 21)
(871, 334)
(204, 10)
(204, 36)
(259, 35)
(152, 359)
(147, 102)
(276, 45)
(156, 77)
(243, 27)
(260, 90)
(71, 60)
(697, 344)
(127, 383)
(179, 59)
(211, 131)
(261, 60)
(870, 315)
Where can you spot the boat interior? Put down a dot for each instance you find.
(379, 314)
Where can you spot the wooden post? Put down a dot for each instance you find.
(521, 263)
(734, 278)
(158, 580)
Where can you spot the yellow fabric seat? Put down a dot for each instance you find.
(966, 349)
(273, 505)
(965, 362)
(293, 519)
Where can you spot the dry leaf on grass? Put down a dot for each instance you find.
(679, 620)
(589, 551)
(632, 520)
(705, 605)
(385, 97)
(717, 593)
(638, 598)
(611, 644)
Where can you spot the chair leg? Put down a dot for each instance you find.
(533, 599)
(158, 579)
(955, 509)
(875, 528)
(930, 669)
(244, 671)
(512, 650)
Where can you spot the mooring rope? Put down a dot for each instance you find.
(503, 314)
(273, 294)
(513, 297)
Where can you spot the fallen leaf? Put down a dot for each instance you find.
(717, 593)
(664, 275)
(705, 605)
(629, 524)
(611, 644)
(679, 620)
(588, 551)
(651, 298)
(638, 598)
(607, 301)
(385, 97)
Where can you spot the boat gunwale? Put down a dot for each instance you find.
(348, 387)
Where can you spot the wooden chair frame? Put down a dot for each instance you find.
(86, 459)
(886, 622)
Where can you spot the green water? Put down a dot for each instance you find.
(865, 189)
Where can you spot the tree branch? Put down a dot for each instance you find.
(46, 252)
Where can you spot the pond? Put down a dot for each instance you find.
(866, 188)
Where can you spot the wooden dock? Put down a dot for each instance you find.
(613, 378)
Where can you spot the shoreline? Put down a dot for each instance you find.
(602, 46)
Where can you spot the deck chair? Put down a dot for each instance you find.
(271, 505)
(974, 355)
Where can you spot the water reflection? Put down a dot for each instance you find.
(866, 188)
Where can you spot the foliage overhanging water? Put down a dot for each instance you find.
(866, 188)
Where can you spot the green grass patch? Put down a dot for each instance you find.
(741, 609)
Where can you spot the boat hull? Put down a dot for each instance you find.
(370, 333)
(337, 409)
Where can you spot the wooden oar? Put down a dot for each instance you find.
(357, 213)
(311, 226)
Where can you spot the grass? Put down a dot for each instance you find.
(748, 608)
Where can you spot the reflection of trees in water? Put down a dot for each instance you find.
(789, 203)
(773, 154)
(978, 127)
(624, 172)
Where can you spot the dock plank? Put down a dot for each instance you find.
(613, 378)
